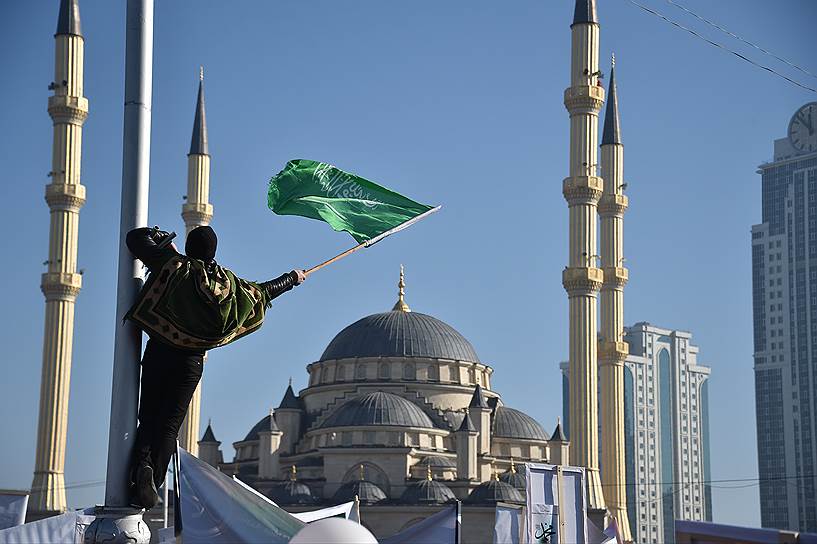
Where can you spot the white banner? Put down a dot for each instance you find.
(13, 508)
(556, 505)
(68, 528)
(509, 524)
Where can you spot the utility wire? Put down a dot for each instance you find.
(747, 42)
(721, 46)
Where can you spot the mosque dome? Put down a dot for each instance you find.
(378, 408)
(291, 492)
(400, 333)
(511, 423)
(427, 492)
(367, 492)
(263, 425)
(515, 478)
(494, 491)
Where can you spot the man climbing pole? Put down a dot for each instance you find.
(188, 305)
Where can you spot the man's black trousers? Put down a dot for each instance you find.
(169, 379)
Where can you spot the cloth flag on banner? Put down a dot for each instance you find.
(344, 511)
(556, 504)
(597, 536)
(509, 523)
(347, 202)
(215, 509)
(68, 528)
(441, 528)
(13, 506)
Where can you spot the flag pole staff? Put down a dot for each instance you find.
(373, 241)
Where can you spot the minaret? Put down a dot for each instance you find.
(196, 212)
(613, 349)
(61, 283)
(582, 279)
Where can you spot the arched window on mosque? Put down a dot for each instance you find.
(472, 376)
(409, 371)
(384, 371)
(433, 373)
(325, 374)
(360, 372)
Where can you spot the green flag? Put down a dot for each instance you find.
(347, 202)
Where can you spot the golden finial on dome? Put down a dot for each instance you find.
(362, 473)
(401, 305)
(201, 73)
(513, 466)
(428, 472)
(293, 473)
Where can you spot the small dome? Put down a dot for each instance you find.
(494, 491)
(427, 492)
(291, 492)
(400, 334)
(367, 492)
(510, 423)
(514, 478)
(378, 408)
(435, 461)
(264, 425)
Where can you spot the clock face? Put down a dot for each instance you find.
(803, 128)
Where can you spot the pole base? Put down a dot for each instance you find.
(116, 525)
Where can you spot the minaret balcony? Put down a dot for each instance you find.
(68, 109)
(582, 189)
(61, 285)
(613, 352)
(584, 99)
(199, 213)
(582, 280)
(615, 277)
(65, 196)
(613, 204)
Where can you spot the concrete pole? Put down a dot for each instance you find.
(116, 522)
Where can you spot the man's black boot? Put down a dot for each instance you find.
(144, 493)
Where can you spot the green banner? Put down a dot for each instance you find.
(347, 202)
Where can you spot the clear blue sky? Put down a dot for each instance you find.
(457, 103)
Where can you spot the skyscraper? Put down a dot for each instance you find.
(666, 432)
(61, 282)
(784, 289)
(666, 419)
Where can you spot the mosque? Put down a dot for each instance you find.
(400, 413)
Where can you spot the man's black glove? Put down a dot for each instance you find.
(161, 238)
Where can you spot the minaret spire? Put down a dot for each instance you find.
(196, 211)
(68, 22)
(612, 130)
(582, 278)
(613, 350)
(60, 283)
(400, 305)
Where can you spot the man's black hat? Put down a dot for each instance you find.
(201, 244)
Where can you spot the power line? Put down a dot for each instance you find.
(721, 46)
(747, 42)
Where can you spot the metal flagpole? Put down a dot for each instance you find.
(373, 241)
(116, 521)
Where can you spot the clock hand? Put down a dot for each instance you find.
(807, 122)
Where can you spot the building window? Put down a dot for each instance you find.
(384, 371)
(360, 372)
(409, 372)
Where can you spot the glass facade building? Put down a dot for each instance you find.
(784, 290)
(666, 427)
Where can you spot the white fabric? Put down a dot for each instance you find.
(13, 508)
(343, 510)
(215, 509)
(68, 528)
(441, 528)
(509, 523)
(556, 506)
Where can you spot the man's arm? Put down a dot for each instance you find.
(282, 284)
(141, 244)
